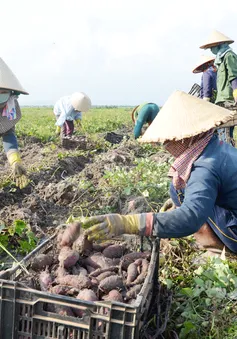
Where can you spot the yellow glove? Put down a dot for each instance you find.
(58, 130)
(110, 225)
(235, 94)
(168, 206)
(78, 122)
(19, 172)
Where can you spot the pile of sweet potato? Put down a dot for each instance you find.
(91, 271)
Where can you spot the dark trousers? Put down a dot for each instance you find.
(68, 128)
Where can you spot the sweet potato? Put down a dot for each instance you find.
(45, 280)
(131, 257)
(111, 283)
(103, 270)
(76, 270)
(64, 311)
(41, 261)
(90, 269)
(87, 294)
(132, 273)
(62, 289)
(104, 275)
(82, 245)
(141, 277)
(113, 295)
(133, 292)
(100, 247)
(113, 251)
(68, 257)
(88, 262)
(61, 272)
(80, 281)
(70, 234)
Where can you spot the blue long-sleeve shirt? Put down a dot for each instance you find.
(213, 181)
(208, 83)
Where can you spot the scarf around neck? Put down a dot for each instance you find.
(9, 110)
(221, 53)
(186, 151)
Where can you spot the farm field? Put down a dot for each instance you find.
(127, 177)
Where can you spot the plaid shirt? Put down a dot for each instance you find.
(186, 151)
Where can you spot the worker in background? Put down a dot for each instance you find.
(10, 114)
(204, 179)
(208, 80)
(226, 63)
(69, 109)
(142, 114)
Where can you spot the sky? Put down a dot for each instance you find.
(118, 52)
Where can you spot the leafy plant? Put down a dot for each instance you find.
(18, 237)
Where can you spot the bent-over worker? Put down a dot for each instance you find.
(143, 114)
(70, 108)
(204, 173)
(10, 114)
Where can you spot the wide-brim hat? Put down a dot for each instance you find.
(216, 38)
(203, 63)
(8, 80)
(183, 116)
(80, 102)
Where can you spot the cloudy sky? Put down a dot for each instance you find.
(118, 52)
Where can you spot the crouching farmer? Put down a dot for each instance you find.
(69, 109)
(10, 114)
(204, 179)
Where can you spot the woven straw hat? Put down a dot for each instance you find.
(184, 116)
(8, 80)
(80, 102)
(216, 38)
(203, 63)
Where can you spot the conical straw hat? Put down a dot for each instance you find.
(80, 101)
(184, 116)
(202, 63)
(216, 38)
(8, 80)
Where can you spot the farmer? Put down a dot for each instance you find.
(70, 108)
(226, 63)
(208, 80)
(10, 114)
(204, 179)
(142, 114)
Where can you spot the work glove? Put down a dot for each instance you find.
(58, 130)
(19, 172)
(168, 206)
(111, 225)
(235, 95)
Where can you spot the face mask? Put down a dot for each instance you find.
(215, 49)
(4, 97)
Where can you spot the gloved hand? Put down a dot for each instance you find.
(235, 95)
(206, 99)
(19, 172)
(168, 206)
(58, 130)
(78, 122)
(110, 225)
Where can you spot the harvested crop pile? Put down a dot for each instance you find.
(108, 271)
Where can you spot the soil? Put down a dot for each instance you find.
(54, 192)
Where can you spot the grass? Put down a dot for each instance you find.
(39, 122)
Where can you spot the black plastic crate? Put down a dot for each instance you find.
(24, 312)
